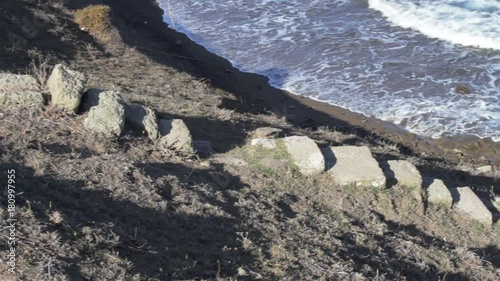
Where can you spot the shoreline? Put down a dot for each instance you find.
(256, 94)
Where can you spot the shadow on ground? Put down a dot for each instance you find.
(162, 244)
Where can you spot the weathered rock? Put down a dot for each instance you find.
(267, 132)
(484, 169)
(496, 202)
(18, 83)
(274, 164)
(356, 166)
(404, 173)
(203, 148)
(265, 143)
(305, 154)
(66, 87)
(22, 98)
(143, 118)
(20, 90)
(174, 134)
(439, 194)
(466, 201)
(108, 117)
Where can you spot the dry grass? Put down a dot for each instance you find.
(40, 68)
(94, 18)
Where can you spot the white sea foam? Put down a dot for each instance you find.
(343, 53)
(470, 23)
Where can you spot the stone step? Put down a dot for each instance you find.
(305, 154)
(352, 165)
(467, 202)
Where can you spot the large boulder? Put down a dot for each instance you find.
(143, 118)
(467, 202)
(356, 166)
(18, 83)
(20, 90)
(267, 132)
(66, 87)
(108, 117)
(305, 154)
(175, 135)
(439, 194)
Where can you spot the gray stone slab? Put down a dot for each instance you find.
(356, 166)
(439, 194)
(467, 202)
(305, 154)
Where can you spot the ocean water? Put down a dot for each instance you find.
(397, 60)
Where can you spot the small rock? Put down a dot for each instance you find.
(174, 134)
(22, 98)
(438, 193)
(467, 202)
(274, 164)
(18, 83)
(485, 169)
(265, 143)
(404, 173)
(143, 118)
(203, 148)
(462, 90)
(66, 87)
(306, 154)
(267, 132)
(108, 117)
(356, 166)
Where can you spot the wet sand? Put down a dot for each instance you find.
(256, 95)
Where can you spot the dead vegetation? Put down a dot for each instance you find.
(94, 18)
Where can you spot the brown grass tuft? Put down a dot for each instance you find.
(94, 18)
